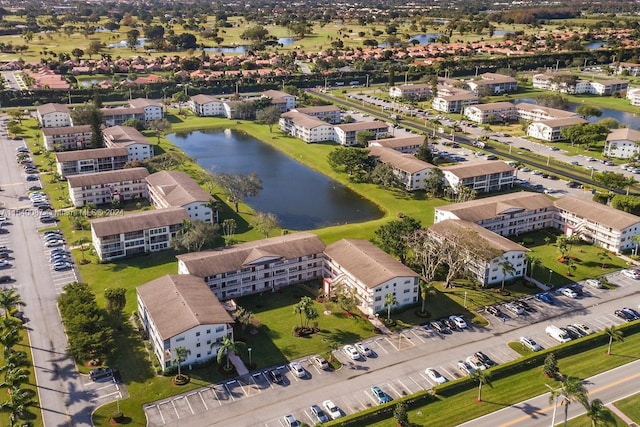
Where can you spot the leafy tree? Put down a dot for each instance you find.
(302, 307)
(245, 110)
(181, 354)
(195, 235)
(226, 348)
(239, 186)
(392, 236)
(17, 406)
(95, 46)
(611, 179)
(425, 290)
(9, 337)
(506, 268)
(483, 378)
(159, 126)
(9, 298)
(389, 300)
(132, 38)
(15, 377)
(614, 335)
(553, 101)
(116, 301)
(346, 297)
(180, 98)
(589, 111)
(77, 53)
(229, 228)
(609, 123)
(262, 103)
(134, 123)
(383, 176)
(154, 35)
(254, 33)
(268, 116)
(265, 223)
(363, 138)
(572, 390)
(584, 134)
(598, 413)
(243, 317)
(550, 365)
(350, 160)
(562, 242)
(434, 183)
(400, 414)
(424, 152)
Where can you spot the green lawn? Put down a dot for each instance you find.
(630, 406)
(461, 407)
(583, 420)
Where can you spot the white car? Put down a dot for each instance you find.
(594, 283)
(351, 352)
(465, 367)
(320, 362)
(4, 263)
(475, 364)
(332, 409)
(568, 292)
(297, 370)
(530, 344)
(583, 328)
(435, 376)
(632, 274)
(363, 349)
(54, 243)
(458, 321)
(514, 308)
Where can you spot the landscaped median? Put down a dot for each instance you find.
(455, 402)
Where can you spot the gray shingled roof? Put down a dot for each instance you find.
(404, 162)
(92, 153)
(478, 169)
(597, 212)
(177, 188)
(492, 239)
(109, 177)
(145, 220)
(492, 207)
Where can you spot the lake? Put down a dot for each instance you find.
(300, 197)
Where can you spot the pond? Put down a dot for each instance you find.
(630, 120)
(300, 197)
(595, 45)
(123, 43)
(227, 49)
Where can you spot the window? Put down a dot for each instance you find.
(406, 291)
(179, 339)
(197, 344)
(208, 331)
(197, 334)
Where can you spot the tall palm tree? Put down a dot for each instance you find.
(599, 415)
(507, 268)
(614, 335)
(425, 288)
(19, 400)
(15, 377)
(227, 347)
(572, 390)
(389, 300)
(483, 378)
(635, 239)
(181, 354)
(9, 337)
(9, 298)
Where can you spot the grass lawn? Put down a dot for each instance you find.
(630, 407)
(583, 420)
(461, 407)
(34, 414)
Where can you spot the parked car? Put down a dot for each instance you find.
(525, 306)
(624, 315)
(484, 359)
(297, 370)
(5, 279)
(568, 292)
(276, 376)
(100, 373)
(573, 332)
(319, 414)
(290, 421)
(363, 349)
(351, 352)
(475, 363)
(60, 266)
(435, 376)
(332, 409)
(32, 177)
(439, 327)
(4, 263)
(494, 311)
(449, 324)
(320, 362)
(544, 297)
(459, 321)
(465, 368)
(583, 328)
(530, 343)
(575, 287)
(632, 274)
(632, 312)
(594, 283)
(514, 308)
(379, 395)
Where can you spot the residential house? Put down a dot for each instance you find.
(176, 188)
(506, 214)
(142, 232)
(105, 187)
(327, 113)
(491, 113)
(179, 311)
(206, 106)
(482, 177)
(622, 143)
(345, 134)
(152, 109)
(258, 266)
(53, 115)
(405, 144)
(137, 144)
(66, 138)
(493, 84)
(485, 252)
(551, 130)
(371, 273)
(408, 169)
(307, 128)
(90, 161)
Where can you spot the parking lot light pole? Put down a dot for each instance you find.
(550, 273)
(249, 349)
(465, 299)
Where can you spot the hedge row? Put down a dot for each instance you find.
(451, 388)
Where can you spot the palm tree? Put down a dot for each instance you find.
(572, 390)
(598, 413)
(181, 354)
(507, 268)
(425, 289)
(635, 239)
(614, 335)
(535, 263)
(15, 377)
(483, 378)
(389, 300)
(9, 298)
(9, 338)
(19, 400)
(227, 347)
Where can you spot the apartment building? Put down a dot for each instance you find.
(346, 134)
(282, 100)
(206, 106)
(405, 144)
(536, 113)
(622, 143)
(493, 84)
(106, 187)
(136, 144)
(117, 116)
(327, 113)
(177, 189)
(411, 91)
(178, 310)
(91, 160)
(66, 138)
(53, 115)
(258, 266)
(633, 95)
(142, 232)
(371, 273)
(483, 177)
(491, 113)
(551, 130)
(451, 100)
(407, 168)
(307, 128)
(152, 109)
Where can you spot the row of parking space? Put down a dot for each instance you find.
(60, 278)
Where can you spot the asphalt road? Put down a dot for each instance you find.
(538, 412)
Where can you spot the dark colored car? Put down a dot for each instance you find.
(631, 312)
(484, 359)
(100, 373)
(439, 327)
(571, 333)
(5, 279)
(544, 297)
(577, 289)
(526, 307)
(494, 311)
(276, 376)
(627, 317)
(449, 324)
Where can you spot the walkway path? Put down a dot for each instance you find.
(238, 364)
(375, 321)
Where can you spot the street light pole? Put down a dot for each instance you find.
(550, 273)
(249, 349)
(465, 299)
